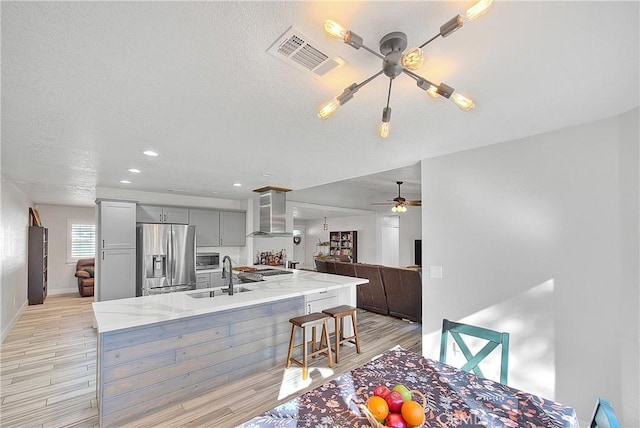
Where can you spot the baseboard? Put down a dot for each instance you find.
(62, 291)
(13, 321)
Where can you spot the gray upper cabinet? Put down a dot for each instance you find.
(233, 229)
(207, 225)
(157, 214)
(116, 225)
(219, 228)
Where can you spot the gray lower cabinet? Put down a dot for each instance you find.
(217, 280)
(233, 229)
(207, 223)
(117, 275)
(158, 214)
(203, 280)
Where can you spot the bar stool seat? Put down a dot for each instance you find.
(313, 320)
(338, 313)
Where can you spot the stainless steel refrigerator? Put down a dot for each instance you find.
(166, 258)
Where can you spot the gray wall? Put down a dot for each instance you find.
(14, 232)
(539, 237)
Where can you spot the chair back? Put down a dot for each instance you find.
(603, 415)
(494, 339)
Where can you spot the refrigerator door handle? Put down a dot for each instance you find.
(173, 256)
(167, 261)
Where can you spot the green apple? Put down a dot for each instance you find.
(404, 391)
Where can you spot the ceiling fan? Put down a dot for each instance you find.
(399, 203)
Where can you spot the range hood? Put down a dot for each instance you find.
(273, 207)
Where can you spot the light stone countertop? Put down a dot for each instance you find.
(113, 315)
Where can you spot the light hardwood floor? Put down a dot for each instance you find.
(48, 366)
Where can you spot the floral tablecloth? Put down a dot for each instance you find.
(453, 398)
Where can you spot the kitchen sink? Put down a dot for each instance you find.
(218, 292)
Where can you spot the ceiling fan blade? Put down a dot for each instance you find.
(383, 203)
(414, 203)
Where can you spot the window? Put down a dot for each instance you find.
(82, 240)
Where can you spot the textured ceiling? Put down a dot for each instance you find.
(87, 85)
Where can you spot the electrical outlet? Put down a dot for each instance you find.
(435, 271)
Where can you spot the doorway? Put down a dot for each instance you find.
(299, 247)
(390, 241)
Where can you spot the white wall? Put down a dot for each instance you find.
(14, 233)
(54, 217)
(539, 237)
(364, 225)
(410, 230)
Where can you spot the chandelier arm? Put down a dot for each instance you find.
(389, 93)
(372, 51)
(417, 77)
(429, 41)
(364, 82)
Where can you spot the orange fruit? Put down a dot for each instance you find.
(378, 407)
(412, 412)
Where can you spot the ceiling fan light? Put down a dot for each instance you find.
(394, 209)
(335, 30)
(413, 59)
(327, 109)
(477, 10)
(402, 209)
(463, 102)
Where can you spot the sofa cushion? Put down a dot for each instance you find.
(404, 292)
(371, 296)
(90, 270)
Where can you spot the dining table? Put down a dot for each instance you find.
(451, 398)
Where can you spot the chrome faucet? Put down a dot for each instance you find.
(230, 273)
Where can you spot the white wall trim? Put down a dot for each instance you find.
(58, 291)
(13, 321)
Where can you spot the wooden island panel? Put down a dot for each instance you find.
(143, 369)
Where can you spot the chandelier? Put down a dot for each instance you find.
(396, 61)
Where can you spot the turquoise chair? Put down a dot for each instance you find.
(494, 339)
(603, 415)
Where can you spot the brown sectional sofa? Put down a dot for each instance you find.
(390, 291)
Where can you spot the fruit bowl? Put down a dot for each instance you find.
(374, 422)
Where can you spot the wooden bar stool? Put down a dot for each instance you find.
(338, 313)
(313, 320)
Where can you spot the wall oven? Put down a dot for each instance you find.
(207, 261)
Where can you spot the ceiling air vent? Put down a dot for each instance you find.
(300, 51)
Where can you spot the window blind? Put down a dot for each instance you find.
(83, 240)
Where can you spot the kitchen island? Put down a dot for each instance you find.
(154, 351)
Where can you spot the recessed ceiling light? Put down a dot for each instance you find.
(134, 170)
(176, 190)
(266, 174)
(125, 182)
(237, 184)
(150, 153)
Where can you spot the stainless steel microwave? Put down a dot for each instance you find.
(207, 261)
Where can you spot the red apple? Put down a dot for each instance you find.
(395, 420)
(395, 401)
(381, 391)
